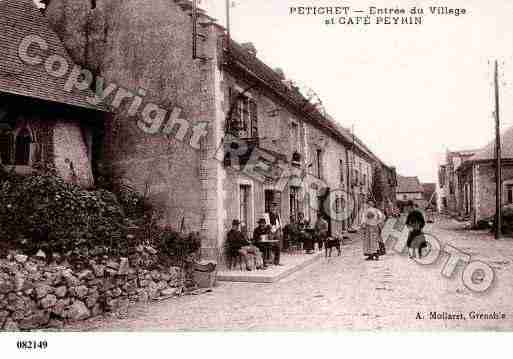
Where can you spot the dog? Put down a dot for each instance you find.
(333, 242)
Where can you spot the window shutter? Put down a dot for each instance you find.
(254, 118)
(277, 200)
(230, 111)
(234, 120)
(244, 101)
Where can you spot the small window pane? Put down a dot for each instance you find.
(6, 148)
(23, 142)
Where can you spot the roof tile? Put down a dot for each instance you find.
(19, 19)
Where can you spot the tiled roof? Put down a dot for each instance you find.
(21, 18)
(488, 152)
(408, 185)
(239, 57)
(429, 187)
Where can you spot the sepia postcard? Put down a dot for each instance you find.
(255, 166)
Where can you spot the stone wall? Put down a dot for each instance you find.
(60, 135)
(71, 153)
(37, 294)
(145, 47)
(485, 201)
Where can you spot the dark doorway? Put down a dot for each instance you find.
(324, 205)
(23, 141)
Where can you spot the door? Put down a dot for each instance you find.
(324, 207)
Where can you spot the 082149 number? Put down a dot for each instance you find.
(32, 345)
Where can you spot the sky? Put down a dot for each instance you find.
(410, 91)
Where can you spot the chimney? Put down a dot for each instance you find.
(249, 47)
(289, 83)
(280, 72)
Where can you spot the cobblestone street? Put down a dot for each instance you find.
(346, 293)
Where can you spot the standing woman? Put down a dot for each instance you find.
(371, 231)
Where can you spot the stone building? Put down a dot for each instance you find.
(329, 173)
(203, 127)
(430, 194)
(448, 185)
(384, 186)
(40, 120)
(477, 180)
(409, 189)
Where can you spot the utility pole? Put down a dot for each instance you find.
(498, 172)
(228, 35)
(194, 29)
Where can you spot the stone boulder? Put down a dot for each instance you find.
(11, 326)
(49, 301)
(42, 290)
(78, 311)
(61, 291)
(20, 258)
(123, 267)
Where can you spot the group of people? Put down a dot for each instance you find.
(300, 230)
(372, 225)
(270, 237)
(265, 237)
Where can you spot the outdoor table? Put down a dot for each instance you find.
(266, 248)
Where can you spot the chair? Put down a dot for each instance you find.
(294, 244)
(233, 258)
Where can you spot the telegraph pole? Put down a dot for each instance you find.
(194, 28)
(228, 35)
(498, 172)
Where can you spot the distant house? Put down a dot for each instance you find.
(429, 194)
(448, 185)
(409, 189)
(476, 179)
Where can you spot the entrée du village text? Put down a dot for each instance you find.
(375, 15)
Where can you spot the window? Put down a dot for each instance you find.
(22, 152)
(509, 193)
(339, 206)
(6, 148)
(441, 176)
(244, 116)
(270, 197)
(319, 163)
(294, 202)
(295, 137)
(451, 188)
(405, 197)
(342, 172)
(245, 214)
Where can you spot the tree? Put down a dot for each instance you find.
(378, 186)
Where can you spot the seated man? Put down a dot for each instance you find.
(251, 249)
(264, 230)
(237, 243)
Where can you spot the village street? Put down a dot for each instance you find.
(345, 293)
